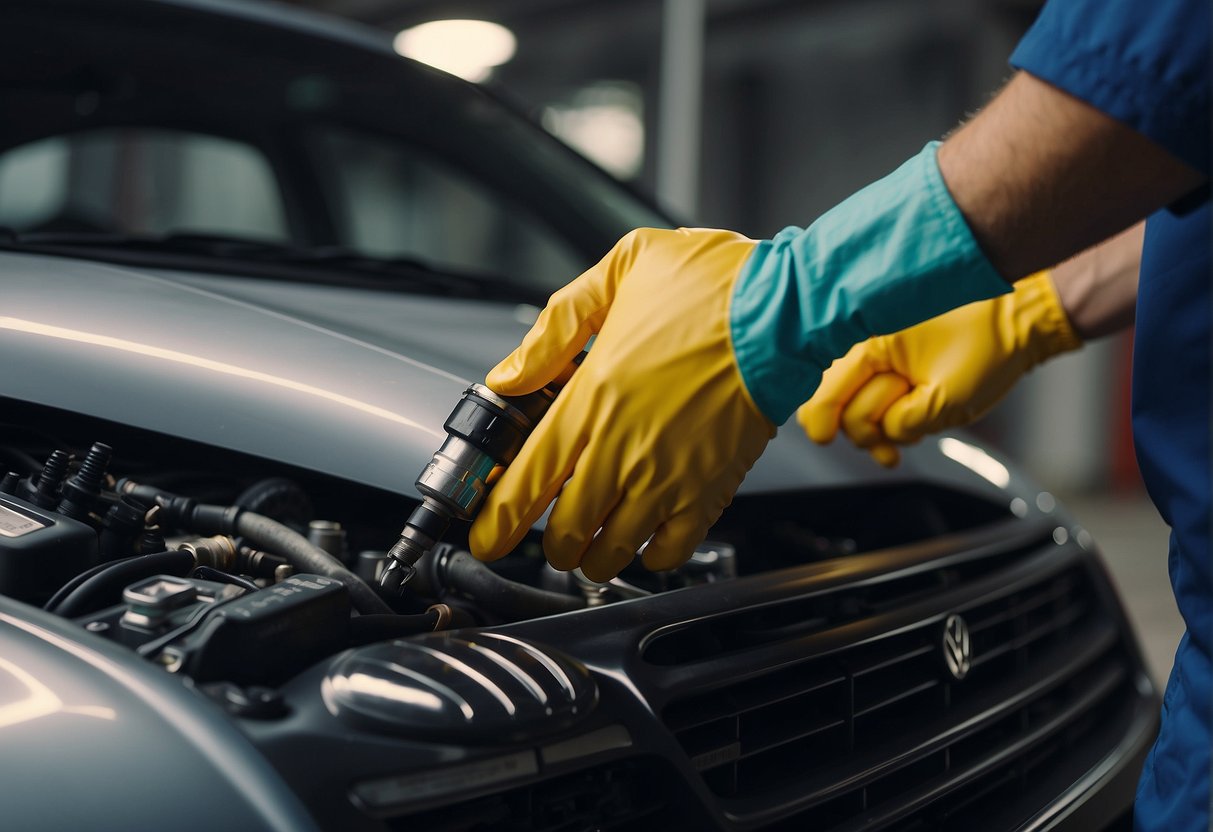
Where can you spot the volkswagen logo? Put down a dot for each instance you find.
(957, 647)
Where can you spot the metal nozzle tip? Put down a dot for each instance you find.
(395, 575)
(408, 549)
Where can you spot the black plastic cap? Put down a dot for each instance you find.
(486, 427)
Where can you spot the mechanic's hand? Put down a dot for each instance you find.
(706, 341)
(943, 373)
(655, 431)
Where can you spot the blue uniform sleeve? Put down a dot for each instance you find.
(1143, 62)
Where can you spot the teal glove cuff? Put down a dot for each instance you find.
(893, 255)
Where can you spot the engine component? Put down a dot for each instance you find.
(368, 629)
(259, 564)
(157, 607)
(81, 490)
(40, 549)
(485, 431)
(97, 587)
(152, 539)
(122, 526)
(150, 603)
(217, 551)
(214, 631)
(302, 555)
(262, 532)
(283, 499)
(327, 535)
(10, 483)
(209, 573)
(264, 637)
(44, 492)
(712, 561)
(492, 689)
(369, 563)
(451, 570)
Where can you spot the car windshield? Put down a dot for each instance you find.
(369, 159)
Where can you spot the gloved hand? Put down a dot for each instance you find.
(654, 432)
(705, 341)
(943, 373)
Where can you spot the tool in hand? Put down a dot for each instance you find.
(485, 431)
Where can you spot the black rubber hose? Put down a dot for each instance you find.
(65, 590)
(368, 629)
(207, 573)
(463, 573)
(263, 533)
(272, 536)
(103, 587)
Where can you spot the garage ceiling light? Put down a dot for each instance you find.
(605, 122)
(467, 48)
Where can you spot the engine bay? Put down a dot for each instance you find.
(503, 695)
(225, 576)
(234, 570)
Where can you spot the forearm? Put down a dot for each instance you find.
(1040, 176)
(1098, 288)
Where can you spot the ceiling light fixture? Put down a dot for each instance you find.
(470, 49)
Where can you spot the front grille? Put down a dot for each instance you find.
(873, 729)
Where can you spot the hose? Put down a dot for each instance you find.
(263, 533)
(63, 591)
(368, 629)
(209, 573)
(459, 571)
(102, 585)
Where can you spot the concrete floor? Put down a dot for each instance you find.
(1133, 539)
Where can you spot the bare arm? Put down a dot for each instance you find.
(1041, 176)
(1098, 288)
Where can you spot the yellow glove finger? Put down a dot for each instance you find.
(528, 485)
(820, 416)
(861, 415)
(622, 535)
(916, 414)
(886, 454)
(568, 535)
(572, 315)
(676, 538)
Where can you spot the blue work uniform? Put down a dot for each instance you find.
(1146, 63)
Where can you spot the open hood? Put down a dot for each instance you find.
(347, 382)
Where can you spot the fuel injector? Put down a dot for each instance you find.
(485, 431)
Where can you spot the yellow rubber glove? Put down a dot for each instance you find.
(668, 294)
(943, 373)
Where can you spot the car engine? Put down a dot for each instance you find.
(509, 695)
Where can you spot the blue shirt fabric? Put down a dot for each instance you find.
(1146, 63)
(1171, 418)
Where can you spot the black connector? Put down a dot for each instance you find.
(10, 483)
(152, 539)
(183, 513)
(122, 526)
(81, 490)
(44, 492)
